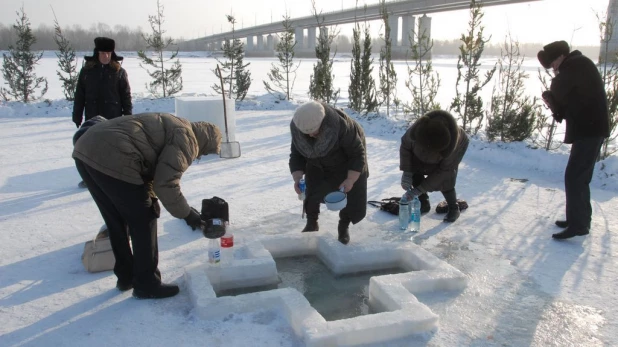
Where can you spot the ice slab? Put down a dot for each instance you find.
(398, 311)
(208, 109)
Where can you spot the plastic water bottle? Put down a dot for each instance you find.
(415, 215)
(404, 212)
(214, 252)
(227, 247)
(302, 186)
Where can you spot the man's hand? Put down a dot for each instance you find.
(406, 180)
(193, 219)
(348, 183)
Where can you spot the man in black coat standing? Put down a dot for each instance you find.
(577, 95)
(102, 86)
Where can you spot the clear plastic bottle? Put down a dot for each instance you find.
(415, 215)
(302, 186)
(227, 246)
(404, 212)
(214, 251)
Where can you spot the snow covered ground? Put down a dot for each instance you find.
(524, 289)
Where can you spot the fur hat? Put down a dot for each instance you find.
(308, 117)
(552, 52)
(432, 134)
(104, 44)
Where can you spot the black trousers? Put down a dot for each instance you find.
(320, 182)
(577, 177)
(127, 209)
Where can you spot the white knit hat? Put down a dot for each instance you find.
(308, 117)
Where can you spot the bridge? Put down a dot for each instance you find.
(404, 9)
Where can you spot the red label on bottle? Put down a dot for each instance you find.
(227, 240)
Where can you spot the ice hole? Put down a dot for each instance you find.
(333, 296)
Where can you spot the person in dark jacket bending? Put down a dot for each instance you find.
(429, 156)
(128, 164)
(102, 86)
(576, 95)
(328, 147)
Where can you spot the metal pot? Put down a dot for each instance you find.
(336, 200)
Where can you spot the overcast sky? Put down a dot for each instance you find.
(537, 21)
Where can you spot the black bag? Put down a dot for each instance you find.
(390, 205)
(215, 208)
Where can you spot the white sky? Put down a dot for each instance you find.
(538, 21)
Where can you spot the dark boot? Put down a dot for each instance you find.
(570, 232)
(312, 225)
(453, 207)
(425, 206)
(159, 292)
(342, 229)
(562, 223)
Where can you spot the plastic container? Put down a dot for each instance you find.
(227, 248)
(302, 186)
(404, 212)
(214, 251)
(415, 215)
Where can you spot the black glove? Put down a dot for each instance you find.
(193, 219)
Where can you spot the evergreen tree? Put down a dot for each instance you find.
(610, 79)
(321, 80)
(18, 65)
(468, 104)
(355, 92)
(388, 77)
(545, 124)
(166, 82)
(368, 84)
(283, 76)
(233, 69)
(512, 115)
(423, 82)
(67, 62)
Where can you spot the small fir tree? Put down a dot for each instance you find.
(283, 76)
(355, 92)
(233, 69)
(610, 79)
(545, 124)
(67, 62)
(370, 103)
(388, 77)
(166, 82)
(321, 80)
(468, 104)
(423, 82)
(512, 115)
(18, 65)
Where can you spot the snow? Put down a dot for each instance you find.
(523, 288)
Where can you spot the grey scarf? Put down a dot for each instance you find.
(318, 147)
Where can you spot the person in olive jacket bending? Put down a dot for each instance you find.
(576, 95)
(103, 85)
(429, 156)
(328, 147)
(128, 163)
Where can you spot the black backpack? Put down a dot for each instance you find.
(390, 205)
(215, 208)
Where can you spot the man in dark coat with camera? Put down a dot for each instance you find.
(329, 148)
(103, 85)
(577, 96)
(429, 156)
